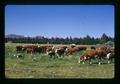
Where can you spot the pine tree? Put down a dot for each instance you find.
(104, 38)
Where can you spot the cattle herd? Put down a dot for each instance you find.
(103, 52)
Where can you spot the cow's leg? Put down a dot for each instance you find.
(79, 60)
(99, 63)
(31, 52)
(99, 60)
(112, 60)
(108, 61)
(50, 56)
(83, 62)
(89, 58)
(90, 61)
(61, 55)
(57, 55)
(54, 56)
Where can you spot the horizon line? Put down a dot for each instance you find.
(60, 36)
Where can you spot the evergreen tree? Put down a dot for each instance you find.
(104, 38)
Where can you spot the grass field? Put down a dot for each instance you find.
(40, 66)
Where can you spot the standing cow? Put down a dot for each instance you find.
(99, 53)
(51, 52)
(88, 55)
(60, 52)
(102, 53)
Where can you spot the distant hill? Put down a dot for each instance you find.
(14, 36)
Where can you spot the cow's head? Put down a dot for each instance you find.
(81, 59)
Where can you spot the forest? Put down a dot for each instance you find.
(87, 40)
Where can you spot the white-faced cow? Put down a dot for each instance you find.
(87, 55)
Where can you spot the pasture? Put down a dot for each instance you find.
(41, 66)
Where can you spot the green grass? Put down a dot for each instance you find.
(40, 66)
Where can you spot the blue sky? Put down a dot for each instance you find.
(59, 20)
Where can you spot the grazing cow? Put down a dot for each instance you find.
(49, 49)
(29, 50)
(88, 55)
(45, 48)
(19, 48)
(51, 53)
(56, 51)
(60, 52)
(102, 53)
(99, 53)
(63, 47)
(69, 51)
(37, 49)
(109, 57)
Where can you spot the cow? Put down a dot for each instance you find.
(56, 51)
(109, 57)
(19, 48)
(99, 53)
(102, 53)
(60, 52)
(51, 52)
(87, 55)
(29, 50)
(45, 47)
(37, 49)
(71, 50)
(63, 47)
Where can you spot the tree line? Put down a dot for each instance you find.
(68, 40)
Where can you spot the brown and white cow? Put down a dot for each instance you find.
(70, 50)
(87, 55)
(60, 52)
(51, 52)
(99, 53)
(102, 53)
(19, 48)
(109, 57)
